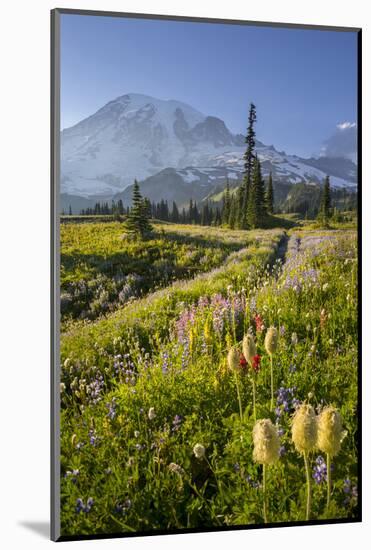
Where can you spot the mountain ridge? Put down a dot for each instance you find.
(138, 137)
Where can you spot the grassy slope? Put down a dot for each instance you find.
(123, 458)
(102, 269)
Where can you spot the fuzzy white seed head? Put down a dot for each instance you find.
(266, 442)
(294, 339)
(248, 347)
(271, 340)
(304, 428)
(330, 431)
(151, 413)
(233, 359)
(175, 468)
(199, 450)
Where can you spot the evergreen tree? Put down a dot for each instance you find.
(248, 157)
(175, 213)
(206, 215)
(120, 207)
(147, 210)
(196, 214)
(226, 208)
(70, 211)
(232, 213)
(190, 212)
(240, 221)
(256, 211)
(270, 196)
(218, 217)
(137, 222)
(325, 207)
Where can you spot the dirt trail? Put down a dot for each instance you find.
(282, 248)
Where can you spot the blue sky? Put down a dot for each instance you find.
(303, 82)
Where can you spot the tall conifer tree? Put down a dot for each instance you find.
(325, 208)
(270, 196)
(226, 208)
(232, 213)
(248, 164)
(256, 212)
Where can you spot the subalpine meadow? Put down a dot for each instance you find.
(208, 376)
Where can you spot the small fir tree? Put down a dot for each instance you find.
(325, 207)
(137, 221)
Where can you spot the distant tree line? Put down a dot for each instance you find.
(115, 208)
(247, 206)
(308, 201)
(206, 214)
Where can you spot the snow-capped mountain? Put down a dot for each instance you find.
(138, 136)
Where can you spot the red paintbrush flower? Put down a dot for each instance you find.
(256, 363)
(259, 324)
(243, 362)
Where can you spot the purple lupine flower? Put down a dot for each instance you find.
(280, 431)
(93, 439)
(253, 303)
(185, 358)
(122, 507)
(278, 412)
(165, 362)
(81, 507)
(94, 389)
(251, 482)
(320, 470)
(347, 486)
(111, 409)
(351, 492)
(176, 423)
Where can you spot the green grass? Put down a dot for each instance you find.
(167, 351)
(101, 269)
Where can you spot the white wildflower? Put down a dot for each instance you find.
(199, 450)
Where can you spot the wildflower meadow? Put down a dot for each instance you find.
(209, 377)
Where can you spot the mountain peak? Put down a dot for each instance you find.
(137, 135)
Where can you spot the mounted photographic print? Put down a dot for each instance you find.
(206, 179)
